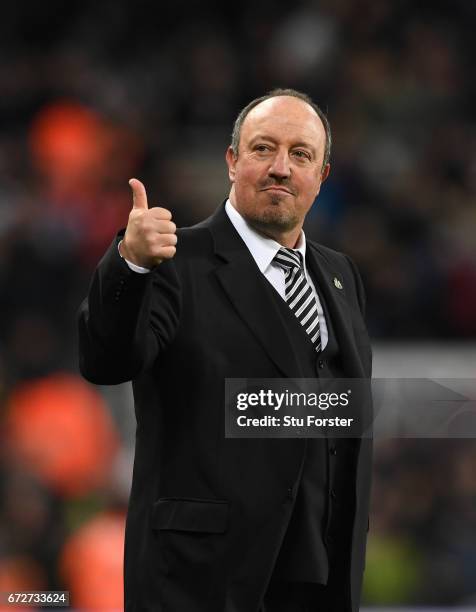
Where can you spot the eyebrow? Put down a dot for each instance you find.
(301, 143)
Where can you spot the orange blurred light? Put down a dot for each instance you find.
(91, 564)
(69, 143)
(59, 429)
(20, 574)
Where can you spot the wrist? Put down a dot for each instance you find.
(130, 259)
(123, 250)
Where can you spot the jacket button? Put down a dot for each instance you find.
(333, 450)
(333, 494)
(320, 364)
(290, 494)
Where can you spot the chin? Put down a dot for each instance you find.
(275, 220)
(276, 198)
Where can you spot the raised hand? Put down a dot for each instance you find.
(150, 234)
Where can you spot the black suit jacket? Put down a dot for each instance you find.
(207, 514)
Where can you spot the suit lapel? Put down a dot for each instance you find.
(251, 295)
(333, 289)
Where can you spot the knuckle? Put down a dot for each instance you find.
(164, 227)
(165, 214)
(165, 240)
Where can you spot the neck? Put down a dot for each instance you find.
(289, 239)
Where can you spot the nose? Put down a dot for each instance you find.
(280, 167)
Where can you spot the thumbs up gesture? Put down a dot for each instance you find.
(150, 234)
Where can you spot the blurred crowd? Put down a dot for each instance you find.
(94, 93)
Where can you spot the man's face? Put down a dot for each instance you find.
(278, 171)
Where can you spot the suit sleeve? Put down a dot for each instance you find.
(128, 320)
(359, 286)
(361, 298)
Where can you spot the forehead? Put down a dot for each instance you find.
(284, 118)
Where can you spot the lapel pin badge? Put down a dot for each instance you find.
(337, 283)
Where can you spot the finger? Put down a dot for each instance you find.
(166, 240)
(164, 227)
(139, 195)
(161, 214)
(166, 252)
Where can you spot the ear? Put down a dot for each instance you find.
(231, 162)
(325, 172)
(324, 175)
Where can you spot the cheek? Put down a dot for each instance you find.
(248, 173)
(307, 192)
(311, 185)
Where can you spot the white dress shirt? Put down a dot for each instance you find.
(263, 251)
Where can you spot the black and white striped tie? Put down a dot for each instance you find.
(299, 295)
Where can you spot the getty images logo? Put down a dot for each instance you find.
(266, 398)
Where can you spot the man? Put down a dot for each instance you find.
(236, 525)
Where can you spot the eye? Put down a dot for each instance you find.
(261, 148)
(300, 154)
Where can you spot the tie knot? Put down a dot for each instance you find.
(288, 259)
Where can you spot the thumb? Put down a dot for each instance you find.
(139, 195)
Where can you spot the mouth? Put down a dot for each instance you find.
(278, 189)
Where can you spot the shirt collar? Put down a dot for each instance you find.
(262, 248)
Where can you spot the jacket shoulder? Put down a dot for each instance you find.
(333, 257)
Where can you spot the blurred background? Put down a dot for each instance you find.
(94, 93)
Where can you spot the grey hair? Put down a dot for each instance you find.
(236, 133)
